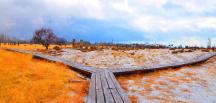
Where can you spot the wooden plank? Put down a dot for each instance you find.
(108, 96)
(92, 90)
(115, 94)
(109, 81)
(119, 89)
(99, 91)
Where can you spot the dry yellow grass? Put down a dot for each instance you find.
(27, 80)
(31, 46)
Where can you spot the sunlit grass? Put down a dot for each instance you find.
(27, 80)
(31, 46)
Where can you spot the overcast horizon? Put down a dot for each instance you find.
(186, 22)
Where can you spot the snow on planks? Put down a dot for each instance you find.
(199, 59)
(104, 88)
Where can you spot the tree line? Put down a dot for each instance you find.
(46, 37)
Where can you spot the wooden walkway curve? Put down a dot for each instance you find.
(197, 60)
(104, 88)
(75, 66)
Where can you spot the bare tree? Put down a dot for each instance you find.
(45, 37)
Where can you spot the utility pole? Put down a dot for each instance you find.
(209, 43)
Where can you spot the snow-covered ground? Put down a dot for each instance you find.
(191, 84)
(126, 59)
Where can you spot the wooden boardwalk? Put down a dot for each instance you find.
(197, 60)
(75, 66)
(104, 88)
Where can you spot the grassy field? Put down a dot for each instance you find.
(32, 46)
(27, 80)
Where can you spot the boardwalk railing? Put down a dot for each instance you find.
(104, 88)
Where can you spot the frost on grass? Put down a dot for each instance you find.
(127, 59)
(191, 84)
(26, 80)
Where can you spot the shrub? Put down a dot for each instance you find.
(56, 48)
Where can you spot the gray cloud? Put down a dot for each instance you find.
(24, 16)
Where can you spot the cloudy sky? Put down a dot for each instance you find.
(187, 22)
